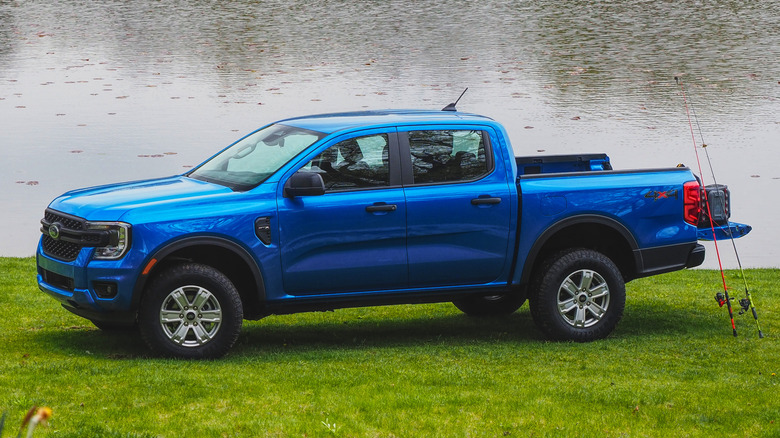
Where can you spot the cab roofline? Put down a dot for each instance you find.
(334, 122)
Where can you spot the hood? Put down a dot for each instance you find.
(111, 202)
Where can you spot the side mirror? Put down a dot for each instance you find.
(304, 184)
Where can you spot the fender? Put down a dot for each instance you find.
(188, 242)
(577, 220)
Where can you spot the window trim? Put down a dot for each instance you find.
(394, 159)
(405, 150)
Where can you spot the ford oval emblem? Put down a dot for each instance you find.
(54, 230)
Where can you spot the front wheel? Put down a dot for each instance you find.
(191, 311)
(578, 295)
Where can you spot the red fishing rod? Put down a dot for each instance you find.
(725, 300)
(747, 303)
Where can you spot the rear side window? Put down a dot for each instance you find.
(448, 156)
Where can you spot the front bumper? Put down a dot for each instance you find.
(94, 289)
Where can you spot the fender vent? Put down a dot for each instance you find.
(263, 229)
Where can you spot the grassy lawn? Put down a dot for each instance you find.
(672, 368)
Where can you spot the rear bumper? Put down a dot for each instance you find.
(696, 256)
(734, 230)
(669, 258)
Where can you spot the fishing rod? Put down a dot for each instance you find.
(747, 303)
(724, 297)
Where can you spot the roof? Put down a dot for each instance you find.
(328, 123)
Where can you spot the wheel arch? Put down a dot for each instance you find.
(222, 254)
(599, 233)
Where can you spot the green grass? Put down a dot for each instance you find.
(672, 368)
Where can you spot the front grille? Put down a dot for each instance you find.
(59, 249)
(70, 222)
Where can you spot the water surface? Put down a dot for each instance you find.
(105, 91)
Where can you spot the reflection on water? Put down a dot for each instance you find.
(102, 91)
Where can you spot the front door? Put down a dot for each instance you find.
(352, 238)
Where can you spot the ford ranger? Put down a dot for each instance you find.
(360, 209)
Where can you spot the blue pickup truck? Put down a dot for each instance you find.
(360, 209)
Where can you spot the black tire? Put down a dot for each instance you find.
(190, 311)
(577, 295)
(491, 305)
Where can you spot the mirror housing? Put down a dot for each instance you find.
(304, 184)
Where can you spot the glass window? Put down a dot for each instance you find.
(256, 157)
(447, 156)
(354, 163)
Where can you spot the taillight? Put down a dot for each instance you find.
(692, 202)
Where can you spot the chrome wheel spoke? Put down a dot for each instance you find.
(569, 287)
(201, 297)
(597, 310)
(210, 316)
(180, 334)
(170, 316)
(579, 318)
(201, 335)
(180, 298)
(599, 291)
(586, 280)
(567, 306)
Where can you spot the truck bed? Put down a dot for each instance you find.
(531, 165)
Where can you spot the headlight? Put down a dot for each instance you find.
(118, 239)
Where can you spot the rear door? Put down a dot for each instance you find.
(352, 238)
(458, 206)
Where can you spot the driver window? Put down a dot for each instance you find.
(355, 163)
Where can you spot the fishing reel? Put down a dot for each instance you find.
(720, 298)
(744, 303)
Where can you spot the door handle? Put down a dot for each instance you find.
(485, 200)
(381, 207)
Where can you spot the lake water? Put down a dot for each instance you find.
(104, 91)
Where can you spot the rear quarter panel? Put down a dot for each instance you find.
(647, 203)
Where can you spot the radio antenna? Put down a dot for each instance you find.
(451, 107)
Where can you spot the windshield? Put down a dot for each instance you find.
(256, 157)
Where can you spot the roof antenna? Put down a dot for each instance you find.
(451, 107)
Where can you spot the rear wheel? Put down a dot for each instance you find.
(578, 295)
(491, 305)
(191, 311)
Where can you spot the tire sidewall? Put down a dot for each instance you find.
(544, 299)
(190, 274)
